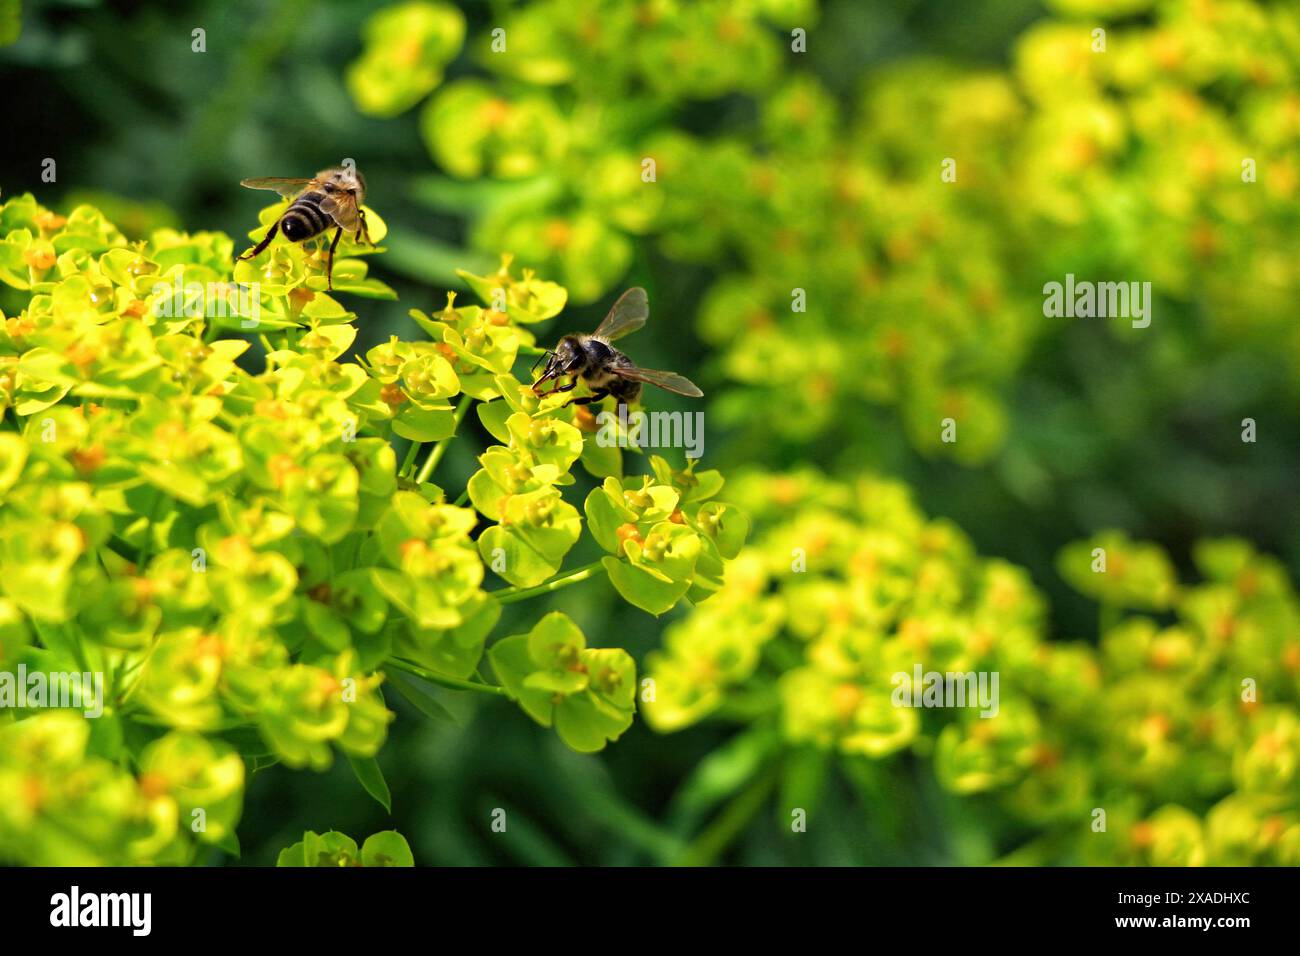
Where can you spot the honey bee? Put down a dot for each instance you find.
(333, 197)
(606, 370)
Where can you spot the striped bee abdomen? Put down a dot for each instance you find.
(304, 219)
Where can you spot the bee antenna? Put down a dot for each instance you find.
(548, 354)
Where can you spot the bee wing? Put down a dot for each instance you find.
(285, 187)
(668, 380)
(627, 315)
(343, 208)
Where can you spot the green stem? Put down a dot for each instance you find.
(510, 595)
(450, 682)
(152, 518)
(710, 844)
(137, 666)
(440, 449)
(409, 460)
(464, 497)
(608, 807)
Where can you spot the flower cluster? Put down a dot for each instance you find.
(388, 848)
(675, 538)
(887, 251)
(1171, 743)
(564, 115)
(586, 693)
(227, 541)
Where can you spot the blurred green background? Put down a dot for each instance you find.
(1088, 425)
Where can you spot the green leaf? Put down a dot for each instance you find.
(386, 848)
(372, 779)
(424, 425)
(606, 513)
(294, 855)
(601, 461)
(321, 849)
(639, 587)
(230, 844)
(493, 415)
(512, 664)
(520, 563)
(587, 725)
(727, 525)
(724, 771)
(420, 699)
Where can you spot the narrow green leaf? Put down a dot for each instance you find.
(230, 844)
(416, 257)
(420, 699)
(372, 779)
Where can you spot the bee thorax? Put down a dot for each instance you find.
(597, 376)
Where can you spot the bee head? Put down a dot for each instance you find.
(568, 354)
(346, 179)
(565, 358)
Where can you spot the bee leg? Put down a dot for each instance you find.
(559, 388)
(595, 396)
(329, 267)
(266, 241)
(545, 355)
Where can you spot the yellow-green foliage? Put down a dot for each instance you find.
(849, 585)
(227, 540)
(920, 290)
